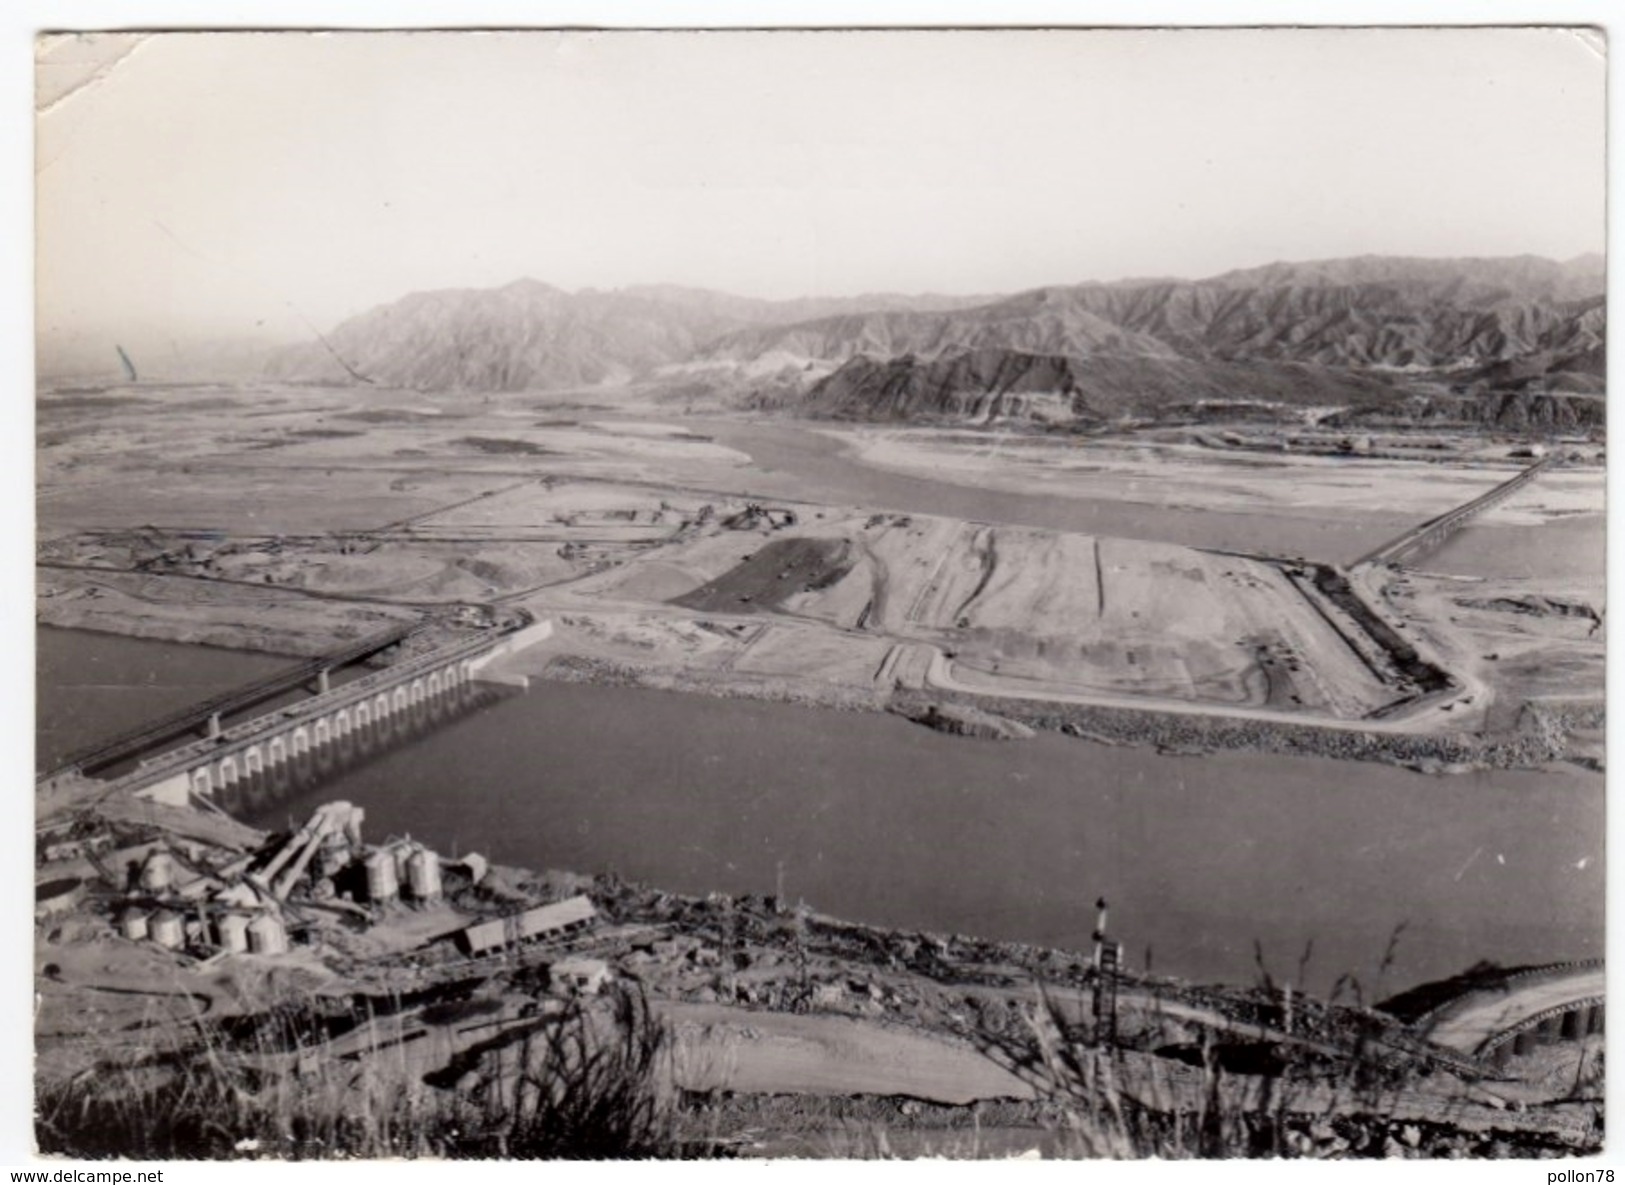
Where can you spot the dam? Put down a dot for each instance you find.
(1513, 1012)
(264, 743)
(209, 713)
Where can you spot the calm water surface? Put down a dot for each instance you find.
(1565, 548)
(874, 818)
(91, 687)
(877, 819)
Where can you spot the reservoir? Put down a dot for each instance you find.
(876, 819)
(90, 687)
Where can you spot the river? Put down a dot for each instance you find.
(799, 463)
(876, 819)
(1565, 549)
(804, 464)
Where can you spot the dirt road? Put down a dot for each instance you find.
(772, 1052)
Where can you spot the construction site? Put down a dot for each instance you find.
(471, 549)
(306, 952)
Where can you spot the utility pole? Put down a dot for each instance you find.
(803, 984)
(1108, 958)
(731, 946)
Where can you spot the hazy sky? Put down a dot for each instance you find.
(227, 184)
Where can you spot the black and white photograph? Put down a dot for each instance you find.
(818, 594)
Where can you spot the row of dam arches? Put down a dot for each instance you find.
(307, 735)
(253, 794)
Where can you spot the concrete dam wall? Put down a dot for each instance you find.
(261, 745)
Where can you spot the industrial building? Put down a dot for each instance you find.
(76, 849)
(578, 976)
(58, 896)
(240, 907)
(545, 923)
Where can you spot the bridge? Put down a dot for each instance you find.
(209, 714)
(1431, 534)
(260, 745)
(1513, 1014)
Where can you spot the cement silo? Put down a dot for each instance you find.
(267, 935)
(133, 924)
(233, 931)
(423, 874)
(164, 928)
(383, 882)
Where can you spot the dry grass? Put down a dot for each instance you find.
(584, 1082)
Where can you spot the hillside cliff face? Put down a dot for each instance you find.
(1531, 412)
(989, 384)
(1352, 333)
(529, 335)
(1503, 342)
(1373, 312)
(1035, 323)
(525, 335)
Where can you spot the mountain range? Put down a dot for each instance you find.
(1367, 334)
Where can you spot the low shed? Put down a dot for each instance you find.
(545, 923)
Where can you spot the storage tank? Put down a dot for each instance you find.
(133, 924)
(233, 931)
(57, 896)
(164, 928)
(158, 871)
(423, 874)
(383, 884)
(266, 935)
